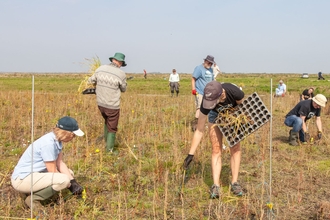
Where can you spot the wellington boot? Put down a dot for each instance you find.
(111, 138)
(293, 138)
(105, 132)
(290, 137)
(40, 195)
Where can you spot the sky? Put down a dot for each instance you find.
(244, 36)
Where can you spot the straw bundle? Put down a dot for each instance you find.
(93, 64)
(233, 120)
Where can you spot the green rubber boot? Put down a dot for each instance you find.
(105, 132)
(111, 138)
(38, 196)
(293, 138)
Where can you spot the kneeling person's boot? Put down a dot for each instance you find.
(293, 138)
(39, 196)
(111, 138)
(290, 137)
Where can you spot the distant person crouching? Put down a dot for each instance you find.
(281, 89)
(320, 76)
(298, 116)
(307, 94)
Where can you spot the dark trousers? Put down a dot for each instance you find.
(111, 118)
(174, 86)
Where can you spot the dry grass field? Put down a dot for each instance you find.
(143, 181)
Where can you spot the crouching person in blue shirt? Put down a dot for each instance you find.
(50, 174)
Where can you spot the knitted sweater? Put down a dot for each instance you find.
(110, 82)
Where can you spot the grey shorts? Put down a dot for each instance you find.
(198, 100)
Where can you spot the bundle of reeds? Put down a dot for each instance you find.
(239, 122)
(233, 120)
(93, 64)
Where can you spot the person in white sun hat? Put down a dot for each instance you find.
(298, 116)
(50, 173)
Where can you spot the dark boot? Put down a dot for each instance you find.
(111, 138)
(172, 94)
(290, 135)
(293, 138)
(177, 93)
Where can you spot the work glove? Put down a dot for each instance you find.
(89, 91)
(187, 161)
(75, 188)
(307, 137)
(319, 135)
(194, 92)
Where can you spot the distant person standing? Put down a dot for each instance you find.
(307, 94)
(281, 89)
(202, 75)
(110, 82)
(320, 76)
(145, 74)
(216, 70)
(174, 82)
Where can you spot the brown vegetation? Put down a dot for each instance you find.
(143, 181)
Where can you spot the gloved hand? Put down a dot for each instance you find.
(75, 188)
(319, 135)
(307, 137)
(187, 161)
(194, 92)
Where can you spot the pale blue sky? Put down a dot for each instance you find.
(272, 36)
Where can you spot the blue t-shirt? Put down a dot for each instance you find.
(203, 76)
(45, 149)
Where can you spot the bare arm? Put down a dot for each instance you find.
(51, 166)
(319, 124)
(62, 167)
(304, 127)
(198, 133)
(193, 81)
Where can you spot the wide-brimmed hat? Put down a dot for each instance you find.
(281, 81)
(210, 59)
(320, 99)
(69, 124)
(212, 93)
(119, 57)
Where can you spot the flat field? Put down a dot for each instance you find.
(144, 180)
